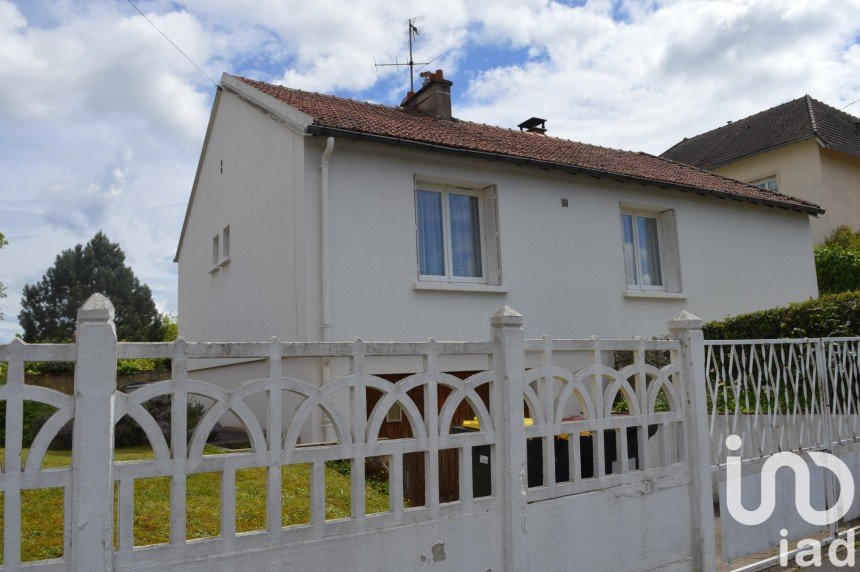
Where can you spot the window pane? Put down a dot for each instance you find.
(431, 246)
(465, 235)
(649, 251)
(629, 254)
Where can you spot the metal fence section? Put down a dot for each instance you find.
(782, 395)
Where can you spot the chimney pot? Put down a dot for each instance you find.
(533, 125)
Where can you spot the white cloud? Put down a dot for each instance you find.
(669, 71)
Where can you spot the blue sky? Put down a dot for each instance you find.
(101, 120)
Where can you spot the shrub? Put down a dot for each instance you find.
(127, 432)
(829, 315)
(837, 269)
(837, 262)
(844, 237)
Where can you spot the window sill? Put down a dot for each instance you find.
(459, 287)
(655, 294)
(223, 262)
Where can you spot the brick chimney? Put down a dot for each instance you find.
(434, 97)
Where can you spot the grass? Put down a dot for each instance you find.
(42, 509)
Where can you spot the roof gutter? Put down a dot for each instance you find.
(547, 165)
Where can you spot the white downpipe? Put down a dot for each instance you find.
(327, 429)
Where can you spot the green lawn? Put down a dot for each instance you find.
(42, 510)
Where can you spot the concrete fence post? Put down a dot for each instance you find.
(92, 447)
(687, 329)
(506, 327)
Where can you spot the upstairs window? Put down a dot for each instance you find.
(220, 249)
(457, 239)
(768, 184)
(650, 250)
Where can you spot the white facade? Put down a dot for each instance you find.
(561, 266)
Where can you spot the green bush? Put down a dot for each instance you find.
(837, 262)
(837, 269)
(845, 238)
(126, 433)
(829, 315)
(35, 415)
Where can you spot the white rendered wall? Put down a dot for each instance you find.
(563, 267)
(634, 525)
(255, 296)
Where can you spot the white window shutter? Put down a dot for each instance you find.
(491, 238)
(670, 251)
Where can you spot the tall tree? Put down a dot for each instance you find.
(3, 243)
(50, 307)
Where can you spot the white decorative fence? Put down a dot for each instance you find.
(786, 395)
(654, 418)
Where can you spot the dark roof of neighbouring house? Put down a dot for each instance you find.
(395, 125)
(797, 120)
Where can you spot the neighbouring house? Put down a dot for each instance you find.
(314, 217)
(803, 148)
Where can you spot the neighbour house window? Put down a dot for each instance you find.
(768, 184)
(650, 250)
(456, 234)
(220, 249)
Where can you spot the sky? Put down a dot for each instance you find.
(102, 119)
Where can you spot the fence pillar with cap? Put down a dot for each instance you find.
(92, 446)
(506, 327)
(687, 329)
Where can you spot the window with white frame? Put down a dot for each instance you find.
(457, 235)
(650, 243)
(768, 184)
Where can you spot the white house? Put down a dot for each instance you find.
(314, 217)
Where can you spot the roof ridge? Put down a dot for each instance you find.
(811, 115)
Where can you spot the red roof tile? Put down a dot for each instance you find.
(363, 118)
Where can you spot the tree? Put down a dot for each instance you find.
(171, 327)
(3, 242)
(50, 307)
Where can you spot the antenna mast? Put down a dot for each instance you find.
(412, 32)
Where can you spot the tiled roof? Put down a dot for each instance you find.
(798, 120)
(336, 115)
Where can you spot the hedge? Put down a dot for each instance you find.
(827, 316)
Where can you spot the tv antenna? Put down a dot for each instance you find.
(413, 30)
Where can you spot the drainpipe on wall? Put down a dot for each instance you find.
(327, 429)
